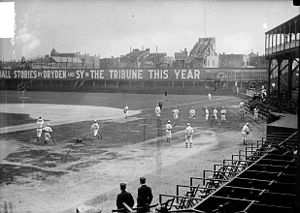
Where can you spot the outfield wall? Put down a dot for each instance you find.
(132, 80)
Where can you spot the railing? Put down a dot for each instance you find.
(281, 47)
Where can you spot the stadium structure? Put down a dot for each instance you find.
(137, 71)
(260, 178)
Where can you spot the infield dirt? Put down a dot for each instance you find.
(69, 175)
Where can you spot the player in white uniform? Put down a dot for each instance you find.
(188, 135)
(157, 111)
(125, 111)
(39, 128)
(206, 114)
(95, 128)
(192, 113)
(48, 131)
(169, 131)
(255, 113)
(223, 114)
(215, 113)
(245, 133)
(209, 96)
(175, 113)
(242, 110)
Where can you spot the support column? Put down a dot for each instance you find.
(269, 78)
(278, 80)
(290, 78)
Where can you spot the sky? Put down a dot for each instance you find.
(112, 28)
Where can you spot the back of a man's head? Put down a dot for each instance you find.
(123, 186)
(142, 180)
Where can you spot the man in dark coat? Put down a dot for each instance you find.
(125, 197)
(144, 196)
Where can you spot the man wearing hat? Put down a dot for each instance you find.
(144, 196)
(169, 131)
(188, 135)
(48, 130)
(124, 197)
(223, 114)
(125, 111)
(39, 128)
(95, 128)
(157, 110)
(245, 133)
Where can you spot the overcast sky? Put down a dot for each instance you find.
(110, 28)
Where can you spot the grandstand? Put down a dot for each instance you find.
(263, 176)
(203, 48)
(134, 58)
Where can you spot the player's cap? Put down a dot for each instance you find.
(48, 124)
(123, 186)
(247, 124)
(40, 117)
(169, 121)
(95, 121)
(188, 124)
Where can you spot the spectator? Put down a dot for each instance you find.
(124, 197)
(144, 196)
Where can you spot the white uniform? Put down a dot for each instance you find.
(245, 133)
(223, 114)
(188, 135)
(48, 130)
(126, 111)
(168, 131)
(157, 111)
(209, 96)
(242, 110)
(95, 128)
(175, 113)
(215, 114)
(255, 112)
(192, 113)
(39, 128)
(206, 114)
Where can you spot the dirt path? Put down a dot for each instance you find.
(58, 114)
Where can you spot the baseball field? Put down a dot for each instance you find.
(80, 172)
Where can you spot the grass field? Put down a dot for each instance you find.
(87, 174)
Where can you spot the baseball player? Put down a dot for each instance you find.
(95, 128)
(48, 131)
(39, 129)
(209, 96)
(175, 113)
(169, 131)
(242, 110)
(157, 111)
(192, 113)
(125, 111)
(255, 113)
(206, 114)
(215, 113)
(188, 135)
(223, 114)
(245, 133)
